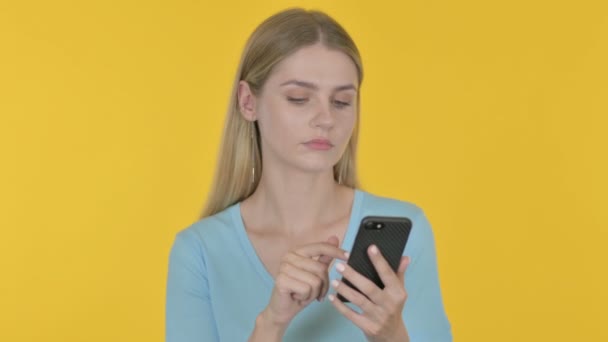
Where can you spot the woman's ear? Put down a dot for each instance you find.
(246, 100)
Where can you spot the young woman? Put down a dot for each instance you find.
(259, 264)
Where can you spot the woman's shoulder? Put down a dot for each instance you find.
(379, 205)
(211, 229)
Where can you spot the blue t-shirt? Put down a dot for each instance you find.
(217, 285)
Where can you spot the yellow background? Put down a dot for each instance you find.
(490, 115)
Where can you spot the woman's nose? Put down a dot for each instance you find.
(324, 117)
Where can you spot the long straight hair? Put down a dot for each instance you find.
(240, 151)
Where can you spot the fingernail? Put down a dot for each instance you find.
(340, 267)
(374, 250)
(334, 283)
(347, 254)
(331, 298)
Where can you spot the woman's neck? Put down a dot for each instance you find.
(297, 204)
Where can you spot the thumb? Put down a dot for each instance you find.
(403, 265)
(334, 241)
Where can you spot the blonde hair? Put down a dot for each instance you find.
(240, 151)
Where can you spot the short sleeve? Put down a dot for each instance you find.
(424, 314)
(189, 316)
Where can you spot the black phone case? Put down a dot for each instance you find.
(390, 240)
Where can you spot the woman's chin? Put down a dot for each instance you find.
(317, 166)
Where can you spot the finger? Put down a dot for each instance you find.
(307, 264)
(326, 260)
(334, 241)
(354, 297)
(312, 266)
(366, 286)
(321, 248)
(290, 286)
(359, 320)
(385, 271)
(405, 262)
(326, 250)
(315, 284)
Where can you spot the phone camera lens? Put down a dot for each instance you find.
(370, 225)
(379, 226)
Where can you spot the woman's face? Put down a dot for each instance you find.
(306, 111)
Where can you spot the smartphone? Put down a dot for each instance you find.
(389, 234)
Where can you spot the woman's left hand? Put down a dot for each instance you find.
(381, 316)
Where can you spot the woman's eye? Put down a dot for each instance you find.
(297, 100)
(341, 104)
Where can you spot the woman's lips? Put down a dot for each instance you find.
(319, 144)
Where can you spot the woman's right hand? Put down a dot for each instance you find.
(302, 278)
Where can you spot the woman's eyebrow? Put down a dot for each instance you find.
(315, 87)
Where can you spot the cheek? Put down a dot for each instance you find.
(277, 123)
(347, 124)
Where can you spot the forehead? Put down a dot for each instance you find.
(316, 64)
